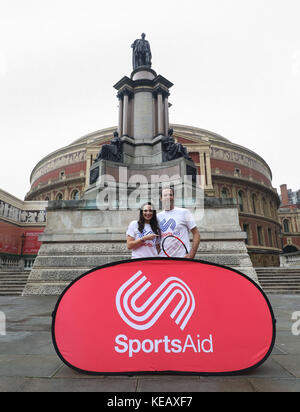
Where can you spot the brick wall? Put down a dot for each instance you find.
(230, 168)
(55, 174)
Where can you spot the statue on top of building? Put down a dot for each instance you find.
(141, 55)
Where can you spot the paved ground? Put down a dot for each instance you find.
(28, 361)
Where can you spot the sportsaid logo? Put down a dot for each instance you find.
(145, 315)
(156, 304)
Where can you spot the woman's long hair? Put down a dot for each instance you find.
(153, 222)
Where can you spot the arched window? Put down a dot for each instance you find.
(264, 206)
(224, 192)
(290, 249)
(246, 228)
(75, 195)
(260, 235)
(270, 237)
(271, 208)
(286, 225)
(59, 196)
(241, 200)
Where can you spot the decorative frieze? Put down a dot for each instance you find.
(239, 157)
(67, 159)
(18, 211)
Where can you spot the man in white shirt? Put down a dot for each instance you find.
(178, 222)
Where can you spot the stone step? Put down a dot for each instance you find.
(281, 285)
(279, 280)
(68, 261)
(13, 283)
(11, 287)
(294, 284)
(282, 291)
(279, 276)
(272, 280)
(21, 278)
(11, 292)
(14, 273)
(278, 270)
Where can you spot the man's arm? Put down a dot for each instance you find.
(195, 245)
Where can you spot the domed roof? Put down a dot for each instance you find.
(189, 131)
(90, 137)
(198, 132)
(183, 131)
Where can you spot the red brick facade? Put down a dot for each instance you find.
(231, 168)
(291, 240)
(56, 174)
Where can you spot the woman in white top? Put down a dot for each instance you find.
(143, 236)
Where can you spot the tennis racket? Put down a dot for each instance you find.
(174, 247)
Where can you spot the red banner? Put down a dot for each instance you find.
(10, 241)
(163, 315)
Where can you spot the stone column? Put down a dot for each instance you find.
(166, 104)
(202, 167)
(125, 114)
(87, 170)
(208, 169)
(120, 128)
(154, 117)
(209, 178)
(160, 113)
(143, 115)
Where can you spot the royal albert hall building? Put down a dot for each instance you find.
(230, 171)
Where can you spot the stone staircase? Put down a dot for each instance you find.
(279, 280)
(272, 280)
(13, 283)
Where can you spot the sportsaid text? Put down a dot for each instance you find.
(133, 346)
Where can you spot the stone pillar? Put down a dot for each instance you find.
(154, 118)
(166, 104)
(87, 171)
(125, 114)
(202, 167)
(160, 111)
(120, 124)
(143, 115)
(208, 169)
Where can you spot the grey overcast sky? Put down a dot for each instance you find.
(235, 65)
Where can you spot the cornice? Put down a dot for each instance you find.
(259, 217)
(216, 140)
(21, 204)
(55, 184)
(243, 149)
